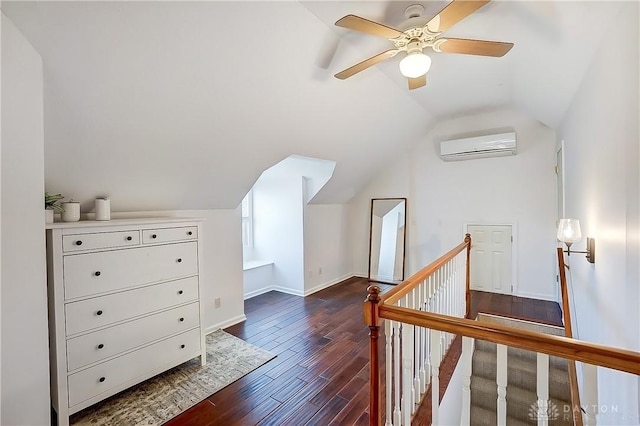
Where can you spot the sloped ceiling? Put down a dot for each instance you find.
(181, 105)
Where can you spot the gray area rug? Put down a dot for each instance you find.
(168, 394)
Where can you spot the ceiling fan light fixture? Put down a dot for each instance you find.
(415, 64)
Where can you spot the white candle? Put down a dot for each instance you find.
(103, 209)
(71, 211)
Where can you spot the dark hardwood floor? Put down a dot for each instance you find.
(320, 374)
(517, 307)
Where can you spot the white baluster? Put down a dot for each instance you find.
(415, 356)
(423, 341)
(407, 370)
(423, 360)
(501, 380)
(454, 268)
(590, 399)
(432, 293)
(457, 279)
(396, 374)
(460, 286)
(451, 287)
(388, 331)
(435, 379)
(442, 278)
(430, 303)
(543, 389)
(449, 299)
(466, 359)
(456, 286)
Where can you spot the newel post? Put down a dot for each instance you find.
(467, 240)
(372, 319)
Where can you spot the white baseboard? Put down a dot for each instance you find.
(225, 324)
(295, 292)
(538, 296)
(258, 292)
(327, 284)
(288, 290)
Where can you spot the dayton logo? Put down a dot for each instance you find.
(542, 411)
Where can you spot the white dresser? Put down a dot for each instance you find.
(124, 305)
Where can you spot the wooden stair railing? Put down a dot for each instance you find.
(378, 307)
(568, 332)
(428, 283)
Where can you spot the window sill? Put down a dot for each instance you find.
(253, 264)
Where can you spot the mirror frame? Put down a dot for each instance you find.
(404, 240)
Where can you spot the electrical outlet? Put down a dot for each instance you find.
(217, 302)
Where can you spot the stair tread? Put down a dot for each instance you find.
(520, 372)
(519, 400)
(521, 397)
(521, 324)
(483, 417)
(516, 362)
(490, 347)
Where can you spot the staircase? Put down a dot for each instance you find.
(521, 380)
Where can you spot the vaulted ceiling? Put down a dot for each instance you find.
(181, 105)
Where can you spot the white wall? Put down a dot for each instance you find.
(278, 228)
(601, 137)
(326, 246)
(451, 404)
(391, 182)
(284, 230)
(25, 354)
(444, 196)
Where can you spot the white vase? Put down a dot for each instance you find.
(48, 216)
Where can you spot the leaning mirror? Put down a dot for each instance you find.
(387, 240)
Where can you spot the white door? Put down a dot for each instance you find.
(491, 258)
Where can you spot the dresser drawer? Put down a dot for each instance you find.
(95, 273)
(101, 240)
(100, 311)
(96, 346)
(132, 367)
(165, 235)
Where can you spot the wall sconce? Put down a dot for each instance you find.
(569, 232)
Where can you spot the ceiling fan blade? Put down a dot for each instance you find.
(357, 23)
(415, 83)
(455, 12)
(474, 47)
(366, 64)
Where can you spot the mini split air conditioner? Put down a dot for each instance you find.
(479, 147)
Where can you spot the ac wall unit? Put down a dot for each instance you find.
(497, 145)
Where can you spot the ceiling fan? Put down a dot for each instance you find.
(419, 33)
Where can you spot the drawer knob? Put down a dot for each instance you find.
(180, 291)
(189, 233)
(99, 313)
(100, 346)
(101, 379)
(78, 243)
(181, 319)
(182, 346)
(179, 260)
(154, 236)
(129, 238)
(97, 273)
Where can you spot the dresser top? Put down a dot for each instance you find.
(120, 222)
